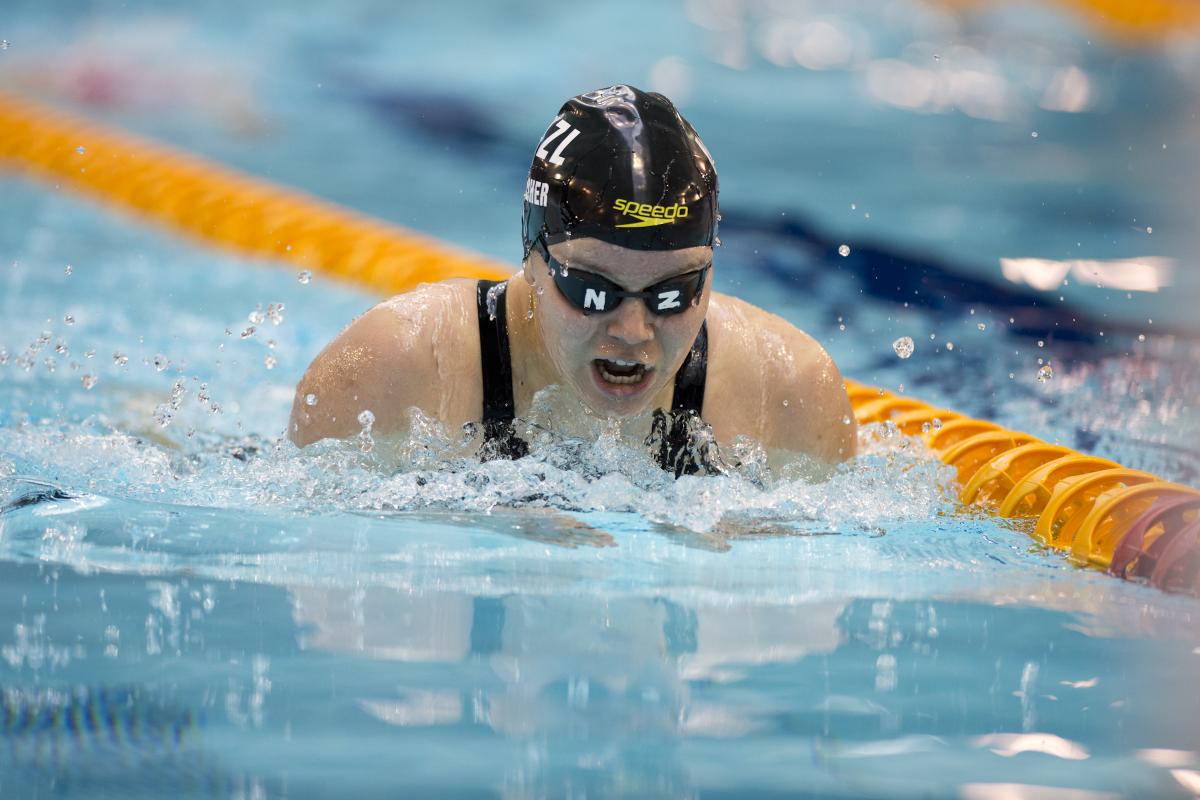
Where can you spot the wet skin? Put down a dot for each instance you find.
(766, 379)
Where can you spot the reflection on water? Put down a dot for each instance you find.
(368, 656)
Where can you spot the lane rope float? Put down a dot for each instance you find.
(1128, 522)
(216, 204)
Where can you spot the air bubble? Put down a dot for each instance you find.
(903, 346)
(1045, 373)
(304, 277)
(844, 250)
(310, 399)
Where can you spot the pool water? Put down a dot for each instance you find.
(191, 606)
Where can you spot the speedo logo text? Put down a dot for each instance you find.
(647, 214)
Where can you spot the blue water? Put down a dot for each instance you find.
(190, 606)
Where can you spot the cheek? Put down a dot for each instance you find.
(567, 335)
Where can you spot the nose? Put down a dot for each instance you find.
(630, 322)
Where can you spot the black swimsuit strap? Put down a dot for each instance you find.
(690, 380)
(495, 357)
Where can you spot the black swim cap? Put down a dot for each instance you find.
(621, 165)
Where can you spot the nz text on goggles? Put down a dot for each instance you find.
(593, 293)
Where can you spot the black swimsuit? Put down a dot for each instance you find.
(670, 437)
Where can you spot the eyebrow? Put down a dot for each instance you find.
(587, 266)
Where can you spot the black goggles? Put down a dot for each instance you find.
(595, 294)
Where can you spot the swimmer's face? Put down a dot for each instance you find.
(621, 361)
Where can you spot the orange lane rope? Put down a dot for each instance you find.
(214, 203)
(1097, 512)
(1100, 514)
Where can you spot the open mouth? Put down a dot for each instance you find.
(620, 372)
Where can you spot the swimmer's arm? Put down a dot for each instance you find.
(813, 418)
(383, 363)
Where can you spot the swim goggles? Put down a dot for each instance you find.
(595, 294)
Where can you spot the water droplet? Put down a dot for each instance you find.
(937, 423)
(937, 57)
(305, 276)
(88, 381)
(275, 313)
(841, 327)
(1141, 337)
(716, 241)
(3, 356)
(269, 362)
(120, 359)
(854, 206)
(160, 362)
(949, 345)
(982, 326)
(89, 353)
(5, 44)
(163, 414)
(1149, 229)
(903, 346)
(785, 403)
(1045, 373)
(1041, 343)
(844, 250)
(81, 150)
(68, 269)
(1034, 134)
(69, 320)
(60, 347)
(493, 295)
(925, 427)
(256, 316)
(246, 334)
(366, 418)
(846, 420)
(270, 344)
(310, 399)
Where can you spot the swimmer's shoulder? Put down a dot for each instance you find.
(416, 349)
(790, 395)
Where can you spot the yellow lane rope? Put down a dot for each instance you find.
(1079, 504)
(211, 202)
(1135, 22)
